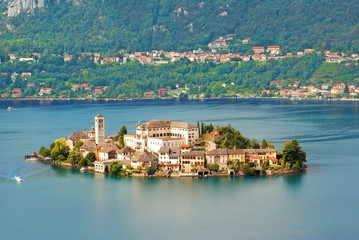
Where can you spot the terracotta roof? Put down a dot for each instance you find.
(235, 151)
(89, 145)
(108, 149)
(75, 136)
(166, 123)
(145, 157)
(126, 150)
(218, 152)
(193, 153)
(185, 146)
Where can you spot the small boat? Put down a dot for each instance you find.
(19, 179)
(83, 169)
(10, 108)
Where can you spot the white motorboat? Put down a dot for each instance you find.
(83, 169)
(10, 108)
(19, 179)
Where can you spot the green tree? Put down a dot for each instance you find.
(74, 157)
(77, 145)
(292, 152)
(248, 170)
(214, 167)
(115, 168)
(59, 150)
(120, 136)
(267, 145)
(44, 151)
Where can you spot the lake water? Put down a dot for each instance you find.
(56, 203)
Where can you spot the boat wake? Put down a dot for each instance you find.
(23, 172)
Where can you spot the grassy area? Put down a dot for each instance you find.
(328, 68)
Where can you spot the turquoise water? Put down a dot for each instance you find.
(56, 203)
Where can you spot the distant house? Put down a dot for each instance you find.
(83, 86)
(27, 60)
(46, 91)
(110, 60)
(309, 50)
(13, 56)
(16, 92)
(100, 90)
(276, 83)
(149, 95)
(337, 90)
(258, 50)
(67, 58)
(275, 50)
(162, 92)
(26, 74)
(340, 85)
(325, 86)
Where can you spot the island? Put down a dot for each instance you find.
(164, 148)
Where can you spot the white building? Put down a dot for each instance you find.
(154, 134)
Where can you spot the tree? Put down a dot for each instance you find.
(214, 167)
(247, 170)
(115, 168)
(87, 160)
(292, 152)
(267, 145)
(59, 150)
(77, 145)
(44, 151)
(194, 169)
(120, 136)
(74, 157)
(91, 157)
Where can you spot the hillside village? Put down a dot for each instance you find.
(219, 52)
(166, 148)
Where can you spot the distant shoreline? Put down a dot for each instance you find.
(169, 99)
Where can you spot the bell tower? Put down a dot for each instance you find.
(100, 131)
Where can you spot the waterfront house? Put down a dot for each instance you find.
(169, 159)
(218, 156)
(162, 92)
(192, 160)
(102, 166)
(143, 160)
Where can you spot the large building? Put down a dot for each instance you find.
(155, 134)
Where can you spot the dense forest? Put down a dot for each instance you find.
(133, 79)
(111, 25)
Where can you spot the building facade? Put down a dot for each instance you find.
(154, 134)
